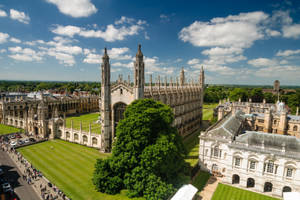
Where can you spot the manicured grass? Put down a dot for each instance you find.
(226, 192)
(86, 119)
(70, 167)
(4, 129)
(208, 110)
(201, 180)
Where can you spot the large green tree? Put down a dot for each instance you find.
(238, 93)
(147, 156)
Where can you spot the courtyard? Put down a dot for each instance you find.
(226, 192)
(4, 129)
(85, 120)
(70, 167)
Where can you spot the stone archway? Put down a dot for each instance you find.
(235, 179)
(268, 187)
(286, 189)
(250, 182)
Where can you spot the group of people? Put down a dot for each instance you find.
(32, 176)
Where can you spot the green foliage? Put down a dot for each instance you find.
(201, 180)
(238, 93)
(214, 93)
(147, 154)
(257, 95)
(269, 97)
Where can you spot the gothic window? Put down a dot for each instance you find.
(275, 122)
(295, 128)
(289, 172)
(252, 164)
(121, 91)
(237, 162)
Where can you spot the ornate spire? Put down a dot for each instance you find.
(139, 53)
(182, 78)
(105, 56)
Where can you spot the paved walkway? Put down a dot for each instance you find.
(209, 189)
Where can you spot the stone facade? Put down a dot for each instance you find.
(186, 99)
(42, 115)
(262, 162)
(266, 117)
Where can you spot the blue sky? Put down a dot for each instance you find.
(237, 42)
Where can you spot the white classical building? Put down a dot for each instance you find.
(262, 162)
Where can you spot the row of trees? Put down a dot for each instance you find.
(29, 86)
(215, 93)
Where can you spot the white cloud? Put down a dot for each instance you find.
(273, 33)
(15, 40)
(92, 58)
(126, 65)
(26, 54)
(233, 31)
(124, 19)
(288, 53)
(262, 62)
(75, 8)
(110, 34)
(193, 61)
(3, 13)
(119, 54)
(63, 58)
(19, 16)
(2, 50)
(3, 37)
(291, 31)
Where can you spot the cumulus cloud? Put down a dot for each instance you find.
(15, 40)
(3, 13)
(24, 54)
(262, 62)
(19, 16)
(288, 53)
(193, 61)
(75, 8)
(232, 31)
(110, 34)
(291, 31)
(3, 37)
(92, 58)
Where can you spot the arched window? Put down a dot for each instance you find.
(94, 141)
(68, 134)
(235, 179)
(268, 187)
(216, 151)
(275, 122)
(121, 91)
(85, 139)
(286, 189)
(295, 128)
(289, 172)
(250, 182)
(75, 136)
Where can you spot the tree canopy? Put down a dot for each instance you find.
(147, 155)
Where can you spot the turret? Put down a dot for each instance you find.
(182, 78)
(139, 74)
(105, 109)
(201, 78)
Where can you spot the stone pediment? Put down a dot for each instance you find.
(122, 86)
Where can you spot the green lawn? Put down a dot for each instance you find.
(208, 110)
(4, 129)
(70, 167)
(86, 119)
(226, 192)
(201, 180)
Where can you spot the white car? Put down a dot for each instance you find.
(6, 187)
(26, 140)
(13, 144)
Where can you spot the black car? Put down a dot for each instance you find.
(32, 140)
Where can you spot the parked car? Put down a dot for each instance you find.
(18, 135)
(32, 140)
(26, 140)
(6, 187)
(13, 144)
(12, 136)
(20, 142)
(1, 172)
